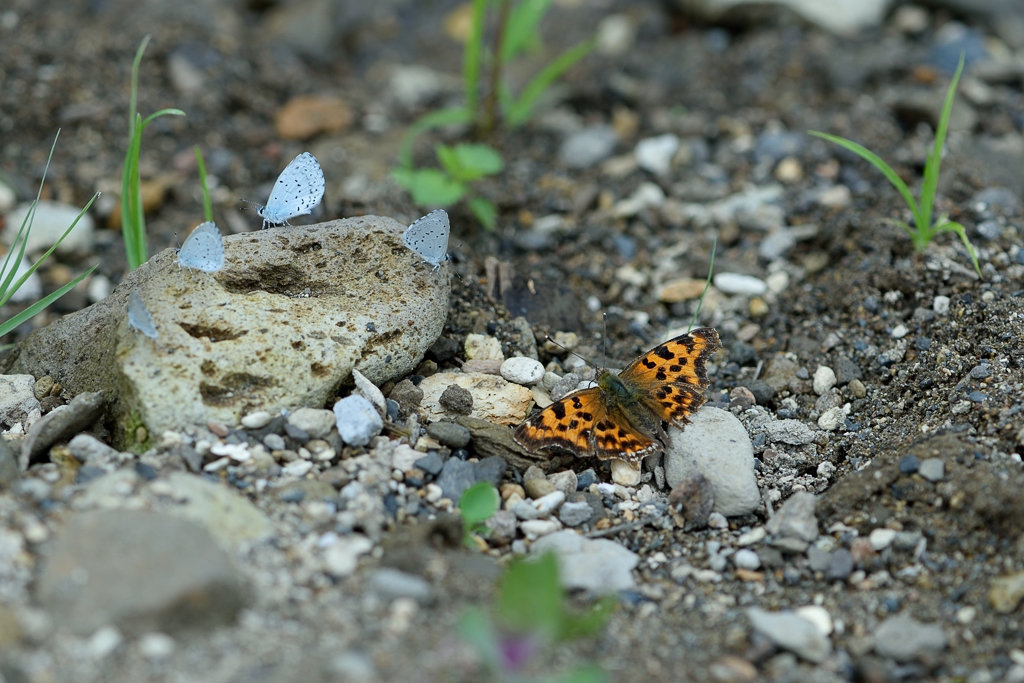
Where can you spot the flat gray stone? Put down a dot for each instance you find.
(589, 146)
(792, 632)
(316, 422)
(796, 519)
(932, 469)
(139, 571)
(87, 448)
(904, 638)
(226, 514)
(598, 565)
(392, 583)
(792, 432)
(717, 446)
(293, 311)
(60, 424)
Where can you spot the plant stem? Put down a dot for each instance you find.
(491, 103)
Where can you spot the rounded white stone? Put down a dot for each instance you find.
(824, 379)
(881, 538)
(624, 473)
(831, 419)
(257, 420)
(818, 616)
(735, 283)
(520, 370)
(746, 559)
(155, 646)
(940, 305)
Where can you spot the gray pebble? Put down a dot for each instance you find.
(457, 400)
(274, 442)
(490, 469)
(449, 434)
(932, 469)
(904, 639)
(818, 558)
(746, 559)
(796, 519)
(408, 397)
(574, 514)
(456, 476)
(392, 583)
(431, 463)
(589, 146)
(840, 565)
(762, 391)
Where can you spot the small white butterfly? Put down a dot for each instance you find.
(428, 237)
(139, 317)
(203, 249)
(298, 189)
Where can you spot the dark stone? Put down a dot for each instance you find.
(977, 396)
(456, 399)
(742, 353)
(408, 397)
(300, 435)
(922, 343)
(292, 496)
(980, 372)
(443, 349)
(460, 453)
(585, 478)
(909, 464)
(840, 565)
(762, 391)
(431, 463)
(456, 476)
(491, 469)
(81, 413)
(449, 434)
(846, 370)
(147, 472)
(87, 473)
(694, 499)
(393, 409)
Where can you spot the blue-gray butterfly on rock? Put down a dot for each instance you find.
(298, 189)
(139, 317)
(428, 237)
(203, 249)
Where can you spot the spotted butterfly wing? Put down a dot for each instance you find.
(203, 249)
(428, 237)
(139, 317)
(298, 190)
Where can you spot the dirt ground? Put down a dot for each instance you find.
(859, 300)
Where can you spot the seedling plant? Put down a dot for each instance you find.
(923, 230)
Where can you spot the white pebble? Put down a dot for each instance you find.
(899, 332)
(881, 538)
(99, 288)
(298, 468)
(746, 559)
(216, 465)
(824, 379)
(547, 504)
(103, 642)
(257, 420)
(818, 616)
(646, 196)
(235, 451)
(155, 646)
(358, 421)
(434, 493)
(520, 370)
(778, 282)
(716, 520)
(615, 35)
(735, 283)
(831, 419)
(483, 347)
(623, 473)
(755, 535)
(342, 557)
(655, 154)
(535, 528)
(940, 305)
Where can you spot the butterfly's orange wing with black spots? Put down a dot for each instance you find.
(670, 378)
(585, 423)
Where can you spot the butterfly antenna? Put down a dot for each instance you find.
(707, 283)
(548, 338)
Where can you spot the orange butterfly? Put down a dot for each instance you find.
(622, 416)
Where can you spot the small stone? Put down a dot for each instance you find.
(341, 558)
(86, 448)
(51, 220)
(391, 583)
(42, 387)
(716, 520)
(408, 397)
(586, 479)
(646, 196)
(743, 285)
(824, 380)
(357, 420)
(524, 371)
(565, 481)
(257, 420)
(840, 565)
(818, 616)
(861, 551)
(792, 432)
(940, 304)
(904, 639)
(103, 642)
(483, 347)
(156, 646)
(831, 419)
(795, 519)
(449, 434)
(275, 442)
(431, 463)
(546, 505)
(456, 476)
(655, 154)
(598, 565)
(574, 514)
(881, 538)
(755, 535)
(308, 115)
(694, 499)
(615, 35)
(792, 632)
(682, 289)
(588, 147)
(60, 424)
(858, 389)
(457, 400)
(623, 473)
(745, 558)
(909, 464)
(899, 332)
(503, 525)
(314, 422)
(536, 488)
(535, 528)
(1006, 592)
(932, 469)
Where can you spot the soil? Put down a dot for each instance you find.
(67, 64)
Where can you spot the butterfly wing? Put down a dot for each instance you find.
(203, 249)
(139, 317)
(298, 189)
(428, 236)
(585, 423)
(670, 378)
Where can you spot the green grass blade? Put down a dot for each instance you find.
(521, 29)
(471, 58)
(876, 161)
(133, 97)
(707, 283)
(951, 226)
(930, 184)
(163, 112)
(207, 204)
(35, 308)
(435, 119)
(521, 110)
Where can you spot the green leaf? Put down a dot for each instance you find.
(481, 159)
(478, 503)
(530, 597)
(207, 204)
(429, 186)
(520, 112)
(449, 160)
(930, 183)
(472, 58)
(521, 29)
(951, 226)
(484, 211)
(38, 306)
(877, 162)
(588, 623)
(435, 119)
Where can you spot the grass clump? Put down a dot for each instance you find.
(923, 230)
(462, 165)
(11, 282)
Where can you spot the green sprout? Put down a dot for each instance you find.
(133, 220)
(207, 204)
(517, 32)
(529, 613)
(477, 504)
(10, 283)
(923, 230)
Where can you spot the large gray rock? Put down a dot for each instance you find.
(281, 326)
(598, 565)
(139, 571)
(792, 632)
(717, 446)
